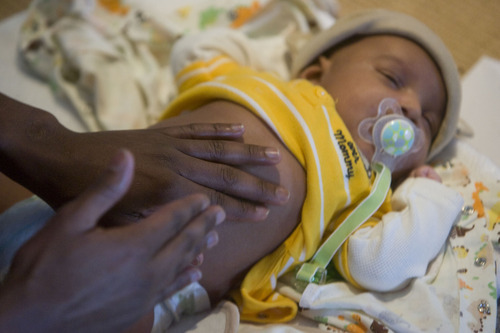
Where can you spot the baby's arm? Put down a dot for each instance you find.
(385, 256)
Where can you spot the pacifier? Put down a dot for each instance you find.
(394, 136)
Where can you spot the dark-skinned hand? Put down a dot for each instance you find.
(77, 276)
(58, 164)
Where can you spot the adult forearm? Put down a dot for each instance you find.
(31, 146)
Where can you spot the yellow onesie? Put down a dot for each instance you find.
(303, 116)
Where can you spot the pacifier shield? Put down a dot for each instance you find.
(397, 137)
(394, 136)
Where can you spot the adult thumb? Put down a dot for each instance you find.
(110, 187)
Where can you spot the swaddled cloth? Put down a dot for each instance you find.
(111, 60)
(106, 58)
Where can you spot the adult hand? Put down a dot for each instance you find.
(173, 162)
(176, 161)
(57, 164)
(76, 276)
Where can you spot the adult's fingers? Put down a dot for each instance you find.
(238, 209)
(235, 182)
(231, 152)
(177, 254)
(88, 208)
(186, 277)
(171, 219)
(205, 131)
(212, 148)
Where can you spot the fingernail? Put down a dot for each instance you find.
(211, 239)
(117, 161)
(272, 153)
(237, 127)
(220, 217)
(205, 203)
(198, 260)
(262, 212)
(282, 194)
(195, 275)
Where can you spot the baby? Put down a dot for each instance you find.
(342, 75)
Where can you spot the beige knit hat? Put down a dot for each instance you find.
(380, 21)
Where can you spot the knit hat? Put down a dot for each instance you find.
(380, 21)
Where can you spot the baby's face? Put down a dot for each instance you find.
(359, 75)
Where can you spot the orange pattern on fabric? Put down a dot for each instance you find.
(464, 285)
(114, 6)
(353, 328)
(478, 204)
(243, 14)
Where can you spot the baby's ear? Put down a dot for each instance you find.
(315, 71)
